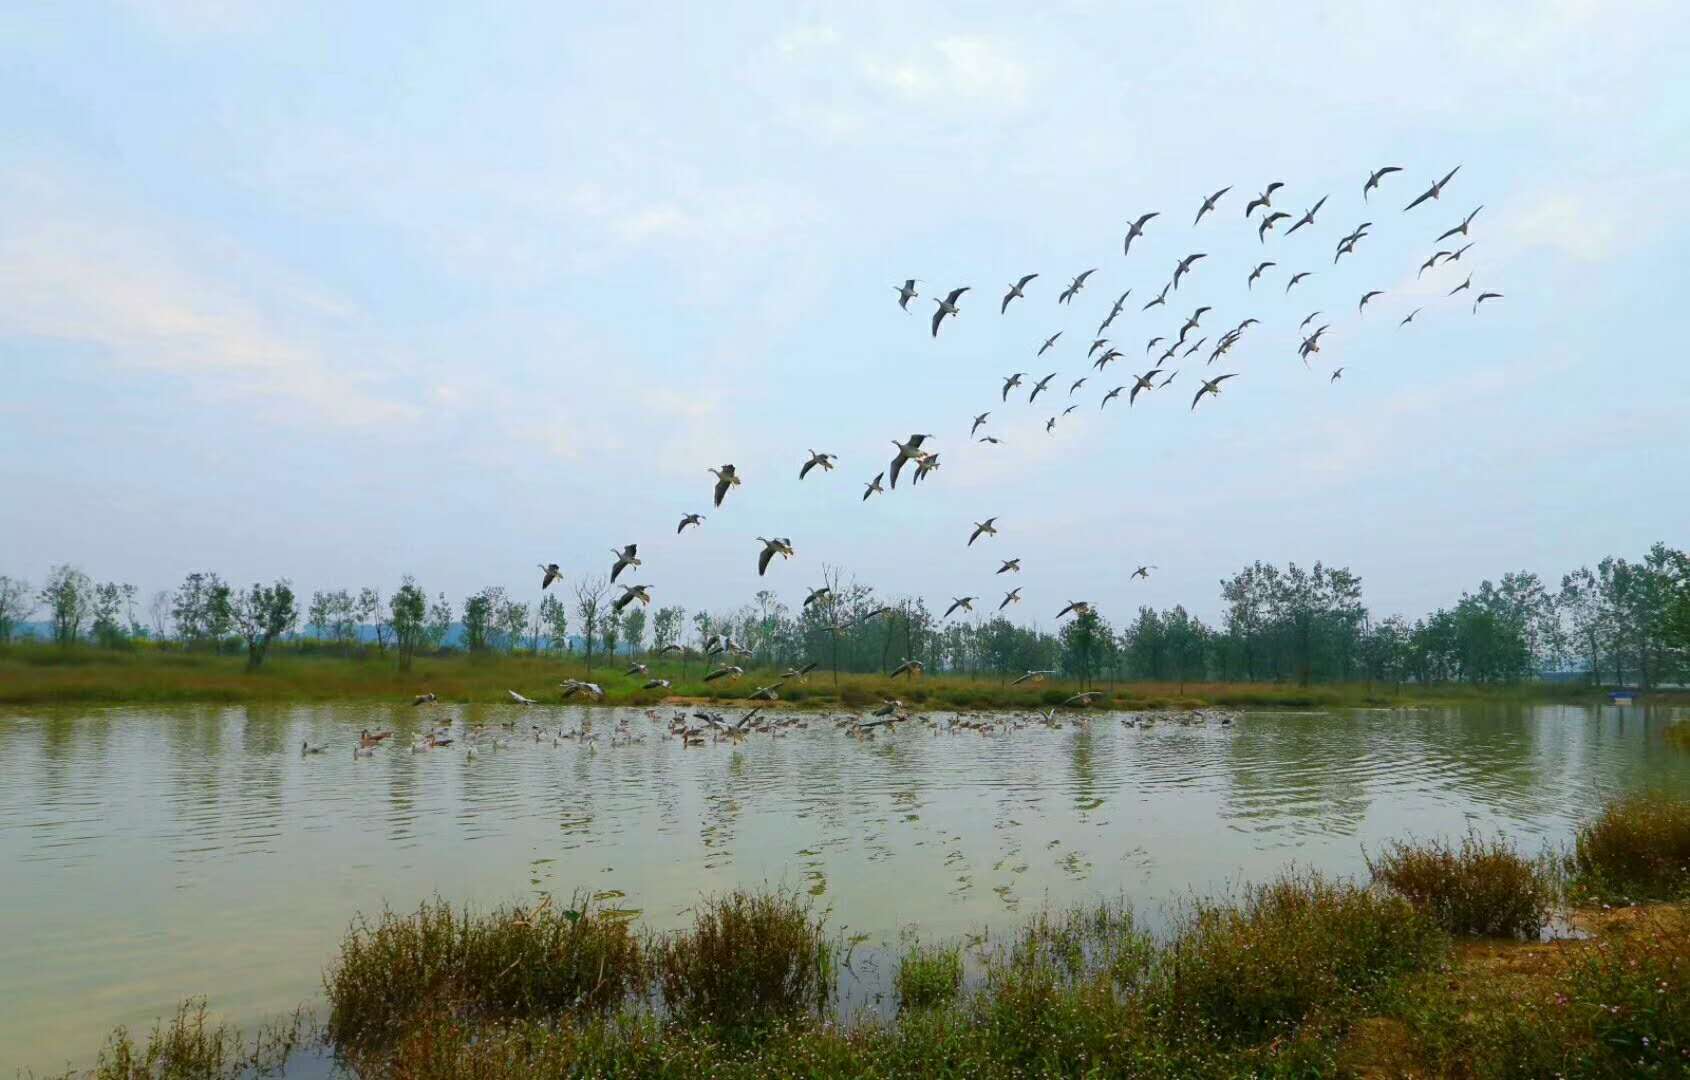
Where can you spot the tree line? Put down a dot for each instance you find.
(1620, 622)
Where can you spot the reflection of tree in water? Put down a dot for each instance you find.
(1082, 769)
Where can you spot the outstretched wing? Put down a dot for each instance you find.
(763, 560)
(938, 315)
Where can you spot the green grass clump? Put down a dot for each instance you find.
(928, 975)
(1678, 735)
(1300, 945)
(508, 964)
(189, 1047)
(1637, 848)
(750, 958)
(1481, 887)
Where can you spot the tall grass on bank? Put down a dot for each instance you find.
(750, 958)
(190, 1047)
(1637, 848)
(1475, 887)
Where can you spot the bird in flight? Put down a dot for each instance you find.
(1268, 222)
(1307, 319)
(1209, 204)
(1338, 373)
(983, 528)
(1151, 344)
(993, 439)
(1375, 176)
(1010, 566)
(1482, 297)
(688, 519)
(978, 420)
(1311, 344)
(1296, 278)
(1111, 396)
(1015, 290)
(1184, 266)
(1114, 311)
(1103, 360)
(1143, 382)
(906, 292)
(1264, 199)
(1433, 261)
(1468, 284)
(552, 574)
(630, 593)
(1078, 607)
(1212, 387)
(628, 556)
(1461, 229)
(927, 463)
(1257, 272)
(966, 603)
(779, 545)
(1049, 341)
(1308, 215)
(1409, 317)
(909, 668)
(1079, 382)
(1455, 256)
(1075, 286)
(816, 595)
(1168, 380)
(1050, 425)
(1433, 192)
(947, 306)
(1013, 596)
(726, 477)
(1032, 676)
(1136, 228)
(873, 486)
(907, 451)
(1198, 344)
(1366, 296)
(1040, 385)
(824, 460)
(1097, 344)
(1348, 244)
(1009, 384)
(1142, 572)
(1161, 298)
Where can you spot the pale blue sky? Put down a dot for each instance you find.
(342, 291)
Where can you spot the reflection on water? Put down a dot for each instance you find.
(152, 854)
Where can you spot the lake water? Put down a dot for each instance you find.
(152, 854)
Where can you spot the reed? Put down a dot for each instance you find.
(750, 958)
(1475, 887)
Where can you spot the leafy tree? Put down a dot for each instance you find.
(67, 596)
(633, 628)
(113, 611)
(555, 615)
(408, 611)
(439, 621)
(610, 630)
(512, 621)
(371, 613)
(204, 610)
(666, 627)
(479, 618)
(1186, 640)
(262, 614)
(16, 605)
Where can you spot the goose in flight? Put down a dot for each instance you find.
(1136, 228)
(552, 574)
(1151, 344)
(888, 707)
(1161, 298)
(1040, 385)
(779, 545)
(1365, 297)
(1461, 229)
(1209, 204)
(906, 292)
(1311, 344)
(909, 668)
(1375, 176)
(1077, 383)
(966, 603)
(1409, 317)
(1185, 264)
(927, 464)
(1433, 192)
(1308, 215)
(1075, 286)
(519, 699)
(1257, 272)
(726, 477)
(1097, 343)
(947, 306)
(628, 556)
(1268, 222)
(802, 674)
(1348, 244)
(1142, 382)
(729, 672)
(1167, 354)
(1309, 318)
(1482, 297)
(688, 519)
(993, 439)
(1120, 302)
(1013, 596)
(1174, 375)
(1196, 317)
(1468, 284)
(1455, 256)
(635, 669)
(1337, 373)
(1143, 572)
(1198, 344)
(1032, 676)
(824, 460)
(1082, 699)
(873, 486)
(656, 684)
(424, 699)
(1050, 425)
(907, 451)
(1111, 396)
(1049, 341)
(630, 593)
(1069, 409)
(814, 595)
(1212, 387)
(1102, 361)
(1078, 607)
(571, 687)
(1011, 383)
(1433, 261)
(1010, 566)
(1016, 290)
(978, 420)
(1296, 278)
(1264, 199)
(983, 528)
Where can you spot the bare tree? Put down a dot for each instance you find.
(589, 598)
(159, 608)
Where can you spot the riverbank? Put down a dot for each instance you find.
(1302, 975)
(41, 675)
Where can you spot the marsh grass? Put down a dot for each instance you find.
(1637, 848)
(928, 975)
(1474, 887)
(750, 958)
(190, 1047)
(1677, 735)
(508, 964)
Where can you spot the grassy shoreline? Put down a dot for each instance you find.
(1303, 975)
(38, 675)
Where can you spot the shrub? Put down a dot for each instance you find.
(509, 964)
(1638, 847)
(1479, 887)
(188, 1049)
(928, 975)
(749, 958)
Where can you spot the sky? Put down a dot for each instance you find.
(341, 292)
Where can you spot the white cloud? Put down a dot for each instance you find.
(957, 68)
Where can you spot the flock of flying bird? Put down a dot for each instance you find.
(1175, 345)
